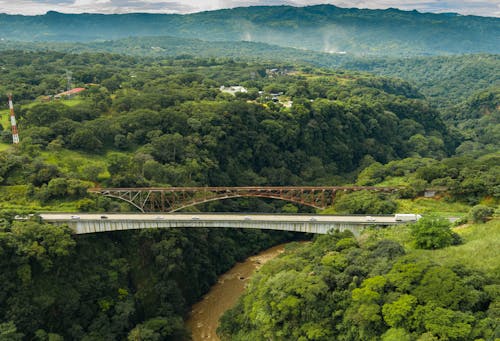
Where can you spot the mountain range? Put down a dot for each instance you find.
(323, 28)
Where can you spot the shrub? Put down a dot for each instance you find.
(364, 202)
(480, 213)
(433, 232)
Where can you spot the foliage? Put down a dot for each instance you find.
(467, 179)
(480, 213)
(167, 123)
(365, 202)
(133, 284)
(447, 81)
(159, 122)
(372, 291)
(432, 232)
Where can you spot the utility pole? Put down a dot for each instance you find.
(15, 135)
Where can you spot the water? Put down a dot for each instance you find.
(204, 317)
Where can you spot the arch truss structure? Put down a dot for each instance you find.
(171, 199)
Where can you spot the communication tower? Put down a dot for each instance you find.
(15, 135)
(69, 77)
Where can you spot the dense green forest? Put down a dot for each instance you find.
(325, 28)
(340, 288)
(136, 285)
(444, 80)
(185, 131)
(156, 121)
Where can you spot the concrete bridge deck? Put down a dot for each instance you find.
(318, 224)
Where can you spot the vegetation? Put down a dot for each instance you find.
(110, 286)
(338, 289)
(481, 213)
(157, 121)
(150, 123)
(365, 202)
(445, 80)
(467, 178)
(432, 232)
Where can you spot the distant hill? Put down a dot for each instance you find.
(444, 80)
(324, 28)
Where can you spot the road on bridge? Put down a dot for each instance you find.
(82, 223)
(225, 217)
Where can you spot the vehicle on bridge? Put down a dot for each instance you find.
(407, 217)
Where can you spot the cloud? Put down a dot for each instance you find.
(30, 7)
(466, 7)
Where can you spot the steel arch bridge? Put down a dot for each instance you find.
(171, 199)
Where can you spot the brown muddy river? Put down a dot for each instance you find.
(204, 317)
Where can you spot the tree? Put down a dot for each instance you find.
(168, 148)
(85, 139)
(156, 329)
(432, 232)
(397, 312)
(8, 332)
(480, 213)
(396, 334)
(445, 323)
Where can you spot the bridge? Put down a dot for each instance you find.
(172, 199)
(318, 224)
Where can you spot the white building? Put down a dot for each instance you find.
(233, 89)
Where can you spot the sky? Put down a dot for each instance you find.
(32, 7)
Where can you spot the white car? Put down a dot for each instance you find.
(370, 218)
(195, 218)
(75, 217)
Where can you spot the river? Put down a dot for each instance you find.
(204, 317)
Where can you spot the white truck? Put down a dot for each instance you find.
(407, 217)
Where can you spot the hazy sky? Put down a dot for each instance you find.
(476, 7)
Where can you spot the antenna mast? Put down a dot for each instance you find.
(15, 135)
(68, 80)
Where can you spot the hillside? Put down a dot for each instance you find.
(325, 28)
(144, 121)
(339, 288)
(305, 127)
(446, 81)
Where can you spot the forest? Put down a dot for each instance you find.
(164, 121)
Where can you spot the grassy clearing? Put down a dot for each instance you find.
(71, 102)
(431, 205)
(394, 181)
(479, 249)
(70, 161)
(17, 198)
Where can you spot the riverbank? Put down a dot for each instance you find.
(204, 317)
